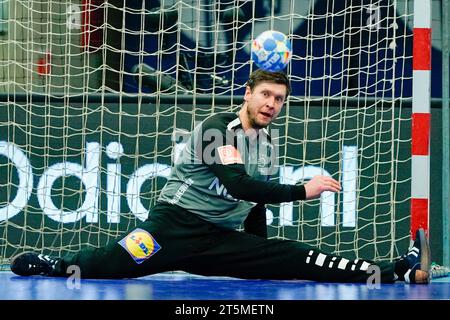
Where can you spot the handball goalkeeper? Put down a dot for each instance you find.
(220, 182)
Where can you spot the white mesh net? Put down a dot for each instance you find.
(87, 131)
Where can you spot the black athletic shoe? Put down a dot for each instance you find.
(29, 264)
(419, 260)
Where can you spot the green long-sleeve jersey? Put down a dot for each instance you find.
(223, 172)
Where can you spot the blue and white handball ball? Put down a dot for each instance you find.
(271, 50)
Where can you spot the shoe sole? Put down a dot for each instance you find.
(425, 254)
(13, 259)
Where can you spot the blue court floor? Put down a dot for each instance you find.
(180, 286)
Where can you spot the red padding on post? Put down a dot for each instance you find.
(419, 215)
(422, 49)
(420, 134)
(92, 18)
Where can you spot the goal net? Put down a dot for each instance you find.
(96, 98)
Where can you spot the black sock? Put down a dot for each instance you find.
(400, 268)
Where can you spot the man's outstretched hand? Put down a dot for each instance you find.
(319, 184)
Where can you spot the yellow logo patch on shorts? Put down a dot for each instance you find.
(140, 245)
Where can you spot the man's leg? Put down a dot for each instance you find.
(154, 246)
(175, 236)
(191, 244)
(241, 255)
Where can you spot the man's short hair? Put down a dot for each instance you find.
(260, 75)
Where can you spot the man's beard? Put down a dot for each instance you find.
(253, 122)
